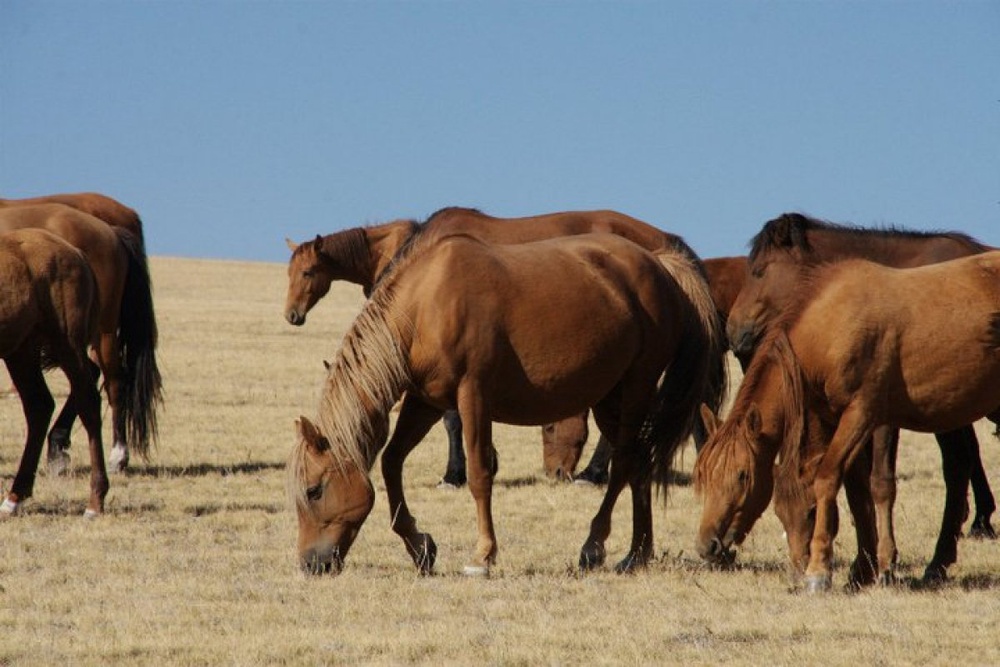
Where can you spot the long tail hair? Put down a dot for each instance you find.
(696, 375)
(142, 387)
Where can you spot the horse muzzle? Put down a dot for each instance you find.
(318, 562)
(295, 317)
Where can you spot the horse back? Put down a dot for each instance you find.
(102, 207)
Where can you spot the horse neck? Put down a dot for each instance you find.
(384, 243)
(367, 377)
(889, 248)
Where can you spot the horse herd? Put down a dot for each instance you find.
(845, 336)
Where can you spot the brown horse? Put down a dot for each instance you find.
(563, 442)
(865, 351)
(792, 241)
(363, 254)
(126, 352)
(100, 206)
(461, 324)
(48, 317)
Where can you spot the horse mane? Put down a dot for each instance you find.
(365, 379)
(450, 210)
(349, 243)
(790, 231)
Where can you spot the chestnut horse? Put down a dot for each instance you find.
(792, 241)
(462, 324)
(48, 317)
(563, 442)
(126, 352)
(865, 351)
(115, 214)
(363, 254)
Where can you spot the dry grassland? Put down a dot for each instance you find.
(194, 562)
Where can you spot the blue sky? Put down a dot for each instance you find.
(231, 125)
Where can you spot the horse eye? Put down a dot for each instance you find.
(307, 273)
(314, 493)
(743, 477)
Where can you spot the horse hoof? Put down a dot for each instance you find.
(58, 463)
(118, 461)
(591, 478)
(630, 564)
(481, 571)
(935, 575)
(448, 486)
(91, 514)
(591, 558)
(982, 530)
(9, 508)
(818, 583)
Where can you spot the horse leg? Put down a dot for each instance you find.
(985, 502)
(415, 419)
(478, 431)
(59, 434)
(885, 446)
(859, 497)
(84, 395)
(36, 401)
(111, 366)
(956, 462)
(596, 471)
(454, 475)
(852, 432)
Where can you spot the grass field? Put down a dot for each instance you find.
(194, 562)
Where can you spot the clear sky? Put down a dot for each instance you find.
(231, 125)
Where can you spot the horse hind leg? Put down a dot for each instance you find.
(86, 398)
(111, 367)
(59, 434)
(985, 502)
(37, 403)
(956, 463)
(885, 446)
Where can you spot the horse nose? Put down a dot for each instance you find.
(295, 318)
(742, 342)
(314, 563)
(711, 550)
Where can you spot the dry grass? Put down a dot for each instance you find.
(194, 562)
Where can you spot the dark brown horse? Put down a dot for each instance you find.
(562, 443)
(48, 317)
(864, 351)
(363, 254)
(126, 352)
(461, 324)
(792, 241)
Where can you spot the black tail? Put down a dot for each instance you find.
(141, 390)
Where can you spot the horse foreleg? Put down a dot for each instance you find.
(37, 403)
(985, 502)
(957, 453)
(478, 432)
(415, 419)
(885, 446)
(596, 471)
(454, 474)
(859, 497)
(851, 434)
(59, 434)
(109, 359)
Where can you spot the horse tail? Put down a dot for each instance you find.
(697, 373)
(142, 387)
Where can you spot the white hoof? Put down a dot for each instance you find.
(476, 571)
(8, 508)
(118, 461)
(90, 514)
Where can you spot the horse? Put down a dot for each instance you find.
(463, 324)
(562, 443)
(363, 254)
(48, 317)
(865, 351)
(126, 353)
(102, 207)
(791, 241)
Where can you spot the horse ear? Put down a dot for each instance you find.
(311, 435)
(292, 245)
(326, 364)
(709, 420)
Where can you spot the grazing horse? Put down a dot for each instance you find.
(48, 317)
(363, 254)
(562, 443)
(126, 351)
(462, 324)
(865, 351)
(792, 241)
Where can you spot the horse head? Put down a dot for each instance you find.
(562, 445)
(308, 282)
(332, 500)
(734, 480)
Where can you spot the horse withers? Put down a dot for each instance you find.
(48, 317)
(461, 324)
(864, 351)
